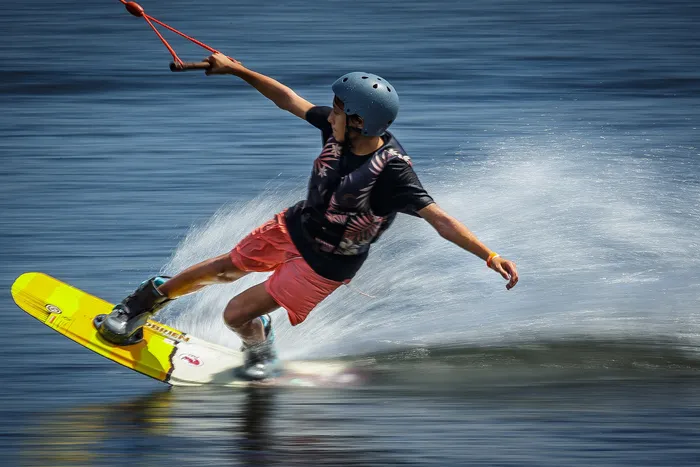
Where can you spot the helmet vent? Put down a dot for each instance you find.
(344, 80)
(388, 88)
(364, 77)
(375, 86)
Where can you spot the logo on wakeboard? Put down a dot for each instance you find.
(191, 359)
(52, 309)
(167, 332)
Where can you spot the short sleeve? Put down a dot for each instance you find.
(318, 117)
(398, 189)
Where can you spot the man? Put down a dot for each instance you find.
(360, 181)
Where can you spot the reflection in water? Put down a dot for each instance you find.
(256, 425)
(616, 421)
(99, 433)
(437, 403)
(139, 431)
(219, 427)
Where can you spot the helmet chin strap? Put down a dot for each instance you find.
(349, 132)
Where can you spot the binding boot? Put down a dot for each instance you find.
(261, 361)
(124, 325)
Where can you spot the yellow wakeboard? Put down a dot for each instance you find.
(165, 354)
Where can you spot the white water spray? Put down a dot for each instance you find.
(606, 244)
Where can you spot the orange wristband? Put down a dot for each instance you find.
(491, 257)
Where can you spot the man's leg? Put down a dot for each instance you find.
(242, 315)
(241, 311)
(217, 270)
(123, 325)
(293, 285)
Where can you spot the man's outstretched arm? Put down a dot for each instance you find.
(283, 97)
(453, 230)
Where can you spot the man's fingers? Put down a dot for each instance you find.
(513, 273)
(507, 270)
(210, 60)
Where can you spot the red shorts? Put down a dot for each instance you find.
(293, 284)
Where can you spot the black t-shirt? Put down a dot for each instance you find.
(397, 190)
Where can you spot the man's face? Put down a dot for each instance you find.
(338, 119)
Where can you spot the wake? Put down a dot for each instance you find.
(605, 242)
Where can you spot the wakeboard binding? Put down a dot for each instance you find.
(124, 325)
(261, 360)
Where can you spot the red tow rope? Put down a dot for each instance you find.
(177, 65)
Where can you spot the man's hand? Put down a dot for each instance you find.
(220, 64)
(506, 269)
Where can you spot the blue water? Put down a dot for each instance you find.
(564, 134)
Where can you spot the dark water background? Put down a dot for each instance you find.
(565, 134)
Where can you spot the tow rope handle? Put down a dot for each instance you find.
(177, 64)
(189, 66)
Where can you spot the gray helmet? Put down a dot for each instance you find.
(369, 96)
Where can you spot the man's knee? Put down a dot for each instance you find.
(247, 306)
(232, 314)
(237, 314)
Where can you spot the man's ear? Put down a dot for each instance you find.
(356, 121)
